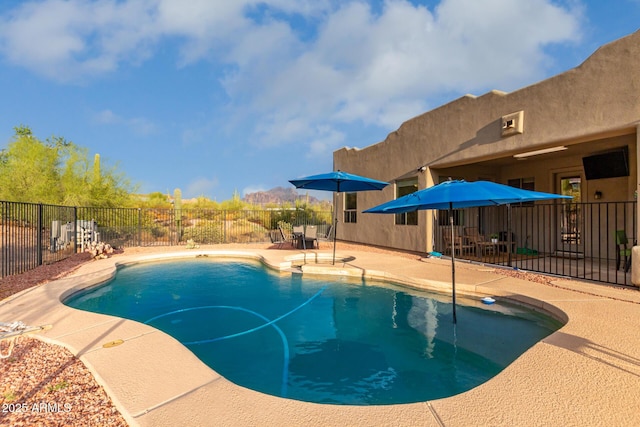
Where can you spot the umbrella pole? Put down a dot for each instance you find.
(334, 240)
(509, 240)
(335, 225)
(453, 263)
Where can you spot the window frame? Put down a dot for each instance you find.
(406, 218)
(350, 208)
(528, 183)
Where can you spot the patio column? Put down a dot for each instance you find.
(428, 181)
(635, 251)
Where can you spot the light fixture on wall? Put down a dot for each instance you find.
(422, 168)
(597, 195)
(512, 124)
(523, 156)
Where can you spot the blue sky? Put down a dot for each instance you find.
(214, 96)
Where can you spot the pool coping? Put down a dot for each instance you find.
(587, 373)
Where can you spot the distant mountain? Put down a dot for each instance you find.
(277, 195)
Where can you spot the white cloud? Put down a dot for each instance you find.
(107, 117)
(201, 186)
(142, 126)
(277, 130)
(75, 39)
(325, 142)
(139, 125)
(301, 69)
(381, 69)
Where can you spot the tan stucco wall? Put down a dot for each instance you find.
(589, 109)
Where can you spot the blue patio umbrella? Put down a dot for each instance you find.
(338, 181)
(461, 194)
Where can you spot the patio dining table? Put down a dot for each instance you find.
(301, 241)
(493, 248)
(298, 237)
(484, 247)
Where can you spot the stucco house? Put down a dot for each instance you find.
(576, 132)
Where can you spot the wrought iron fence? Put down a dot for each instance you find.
(575, 240)
(36, 234)
(31, 236)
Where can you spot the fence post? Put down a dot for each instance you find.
(2, 239)
(39, 234)
(171, 216)
(139, 227)
(75, 235)
(224, 226)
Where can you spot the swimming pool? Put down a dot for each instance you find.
(323, 340)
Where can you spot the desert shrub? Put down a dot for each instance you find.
(204, 232)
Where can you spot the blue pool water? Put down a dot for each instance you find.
(320, 340)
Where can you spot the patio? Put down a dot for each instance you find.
(587, 373)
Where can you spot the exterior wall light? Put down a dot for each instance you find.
(522, 156)
(512, 124)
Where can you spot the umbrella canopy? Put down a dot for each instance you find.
(457, 195)
(338, 181)
(461, 194)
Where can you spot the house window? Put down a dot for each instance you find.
(350, 207)
(523, 183)
(403, 188)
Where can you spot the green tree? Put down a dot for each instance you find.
(203, 202)
(107, 188)
(57, 171)
(157, 200)
(30, 170)
(235, 204)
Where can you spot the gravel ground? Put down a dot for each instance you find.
(44, 384)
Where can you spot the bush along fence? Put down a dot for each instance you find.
(37, 234)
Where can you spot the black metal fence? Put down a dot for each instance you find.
(577, 240)
(28, 239)
(567, 239)
(36, 234)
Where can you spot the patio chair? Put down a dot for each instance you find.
(459, 244)
(622, 251)
(287, 236)
(277, 237)
(326, 237)
(311, 235)
(11, 331)
(473, 237)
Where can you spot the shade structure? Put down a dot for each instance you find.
(337, 182)
(461, 194)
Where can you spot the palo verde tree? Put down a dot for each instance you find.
(29, 169)
(57, 171)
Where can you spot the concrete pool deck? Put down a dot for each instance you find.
(587, 373)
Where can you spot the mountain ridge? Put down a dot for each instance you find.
(278, 195)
